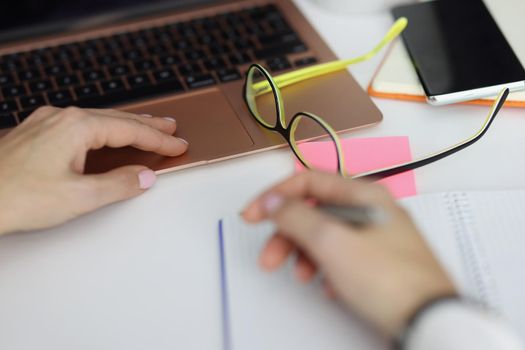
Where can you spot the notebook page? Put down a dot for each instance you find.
(273, 311)
(479, 238)
(500, 222)
(432, 216)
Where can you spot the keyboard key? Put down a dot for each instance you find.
(138, 80)
(199, 80)
(155, 50)
(215, 63)
(6, 79)
(168, 84)
(278, 38)
(169, 60)
(228, 74)
(7, 120)
(305, 61)
(187, 69)
(89, 96)
(206, 39)
(230, 34)
(139, 42)
(144, 65)
(82, 64)
(38, 58)
(8, 106)
(243, 44)
(164, 75)
(56, 69)
(133, 55)
(40, 86)
(60, 98)
(119, 70)
(194, 55)
(32, 102)
(14, 90)
(106, 60)
(88, 51)
(238, 59)
(93, 75)
(66, 80)
(279, 50)
(11, 65)
(30, 74)
(113, 86)
(86, 91)
(209, 23)
(62, 55)
(181, 44)
(111, 44)
(255, 28)
(278, 63)
(218, 49)
(279, 25)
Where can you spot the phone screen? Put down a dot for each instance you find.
(456, 46)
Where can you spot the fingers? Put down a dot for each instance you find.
(317, 234)
(305, 268)
(275, 253)
(114, 186)
(167, 125)
(120, 132)
(325, 188)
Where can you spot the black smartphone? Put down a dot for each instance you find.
(458, 50)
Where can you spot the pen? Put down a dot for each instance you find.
(358, 216)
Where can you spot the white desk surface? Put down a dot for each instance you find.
(172, 297)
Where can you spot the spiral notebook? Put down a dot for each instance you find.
(478, 236)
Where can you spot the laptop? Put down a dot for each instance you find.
(185, 59)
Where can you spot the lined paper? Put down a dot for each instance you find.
(478, 236)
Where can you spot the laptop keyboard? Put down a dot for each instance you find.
(128, 66)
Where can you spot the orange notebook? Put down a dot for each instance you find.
(397, 79)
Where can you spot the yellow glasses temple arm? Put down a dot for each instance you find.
(330, 67)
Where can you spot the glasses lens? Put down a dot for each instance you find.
(315, 144)
(261, 98)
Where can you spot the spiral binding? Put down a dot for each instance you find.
(481, 286)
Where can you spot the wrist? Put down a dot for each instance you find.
(400, 339)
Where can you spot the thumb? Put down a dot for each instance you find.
(118, 184)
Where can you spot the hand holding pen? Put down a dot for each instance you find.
(366, 246)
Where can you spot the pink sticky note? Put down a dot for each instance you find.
(366, 154)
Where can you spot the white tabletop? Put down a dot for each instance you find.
(161, 248)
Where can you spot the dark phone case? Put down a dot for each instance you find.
(457, 46)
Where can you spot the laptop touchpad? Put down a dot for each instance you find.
(205, 119)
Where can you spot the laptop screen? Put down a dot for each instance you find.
(20, 19)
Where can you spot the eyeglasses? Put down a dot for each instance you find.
(263, 96)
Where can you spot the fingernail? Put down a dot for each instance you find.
(186, 142)
(170, 119)
(146, 115)
(146, 179)
(272, 203)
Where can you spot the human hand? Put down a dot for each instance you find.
(42, 163)
(384, 271)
